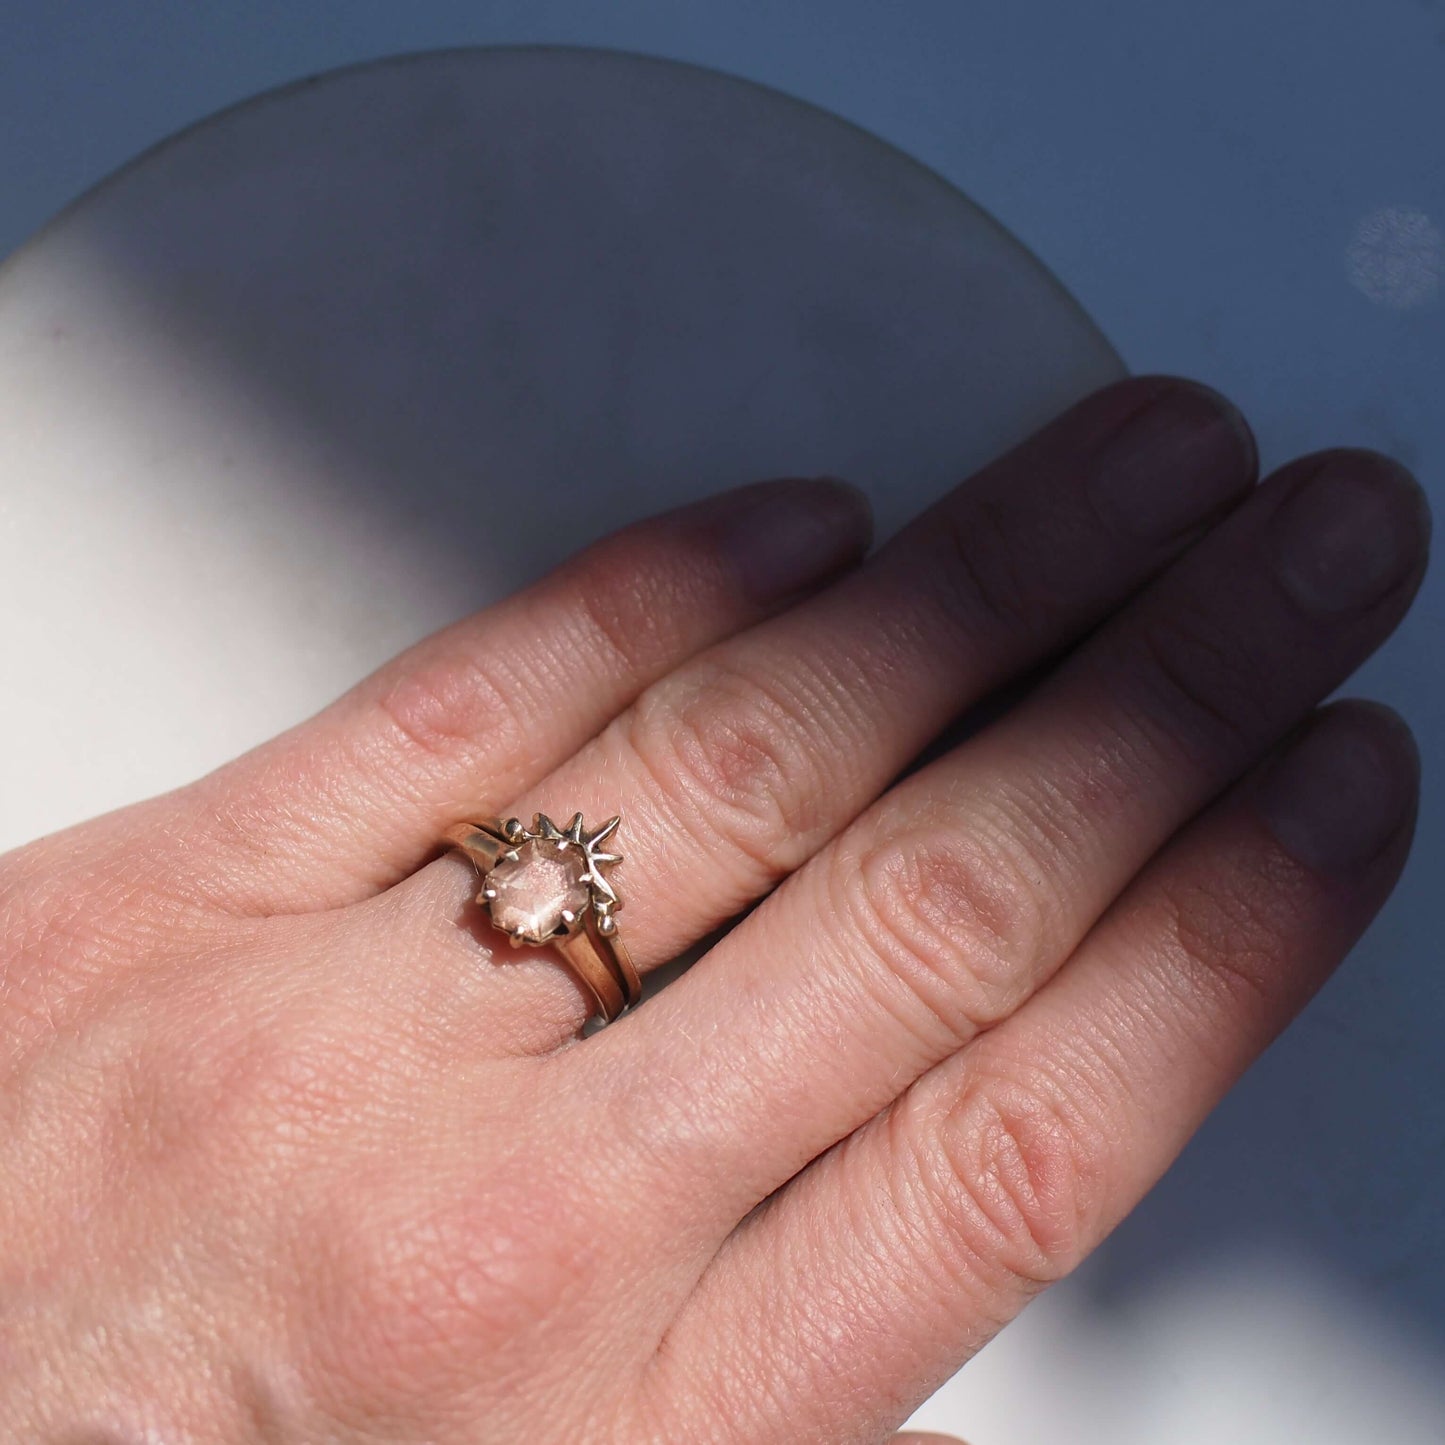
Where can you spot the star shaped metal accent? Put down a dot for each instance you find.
(604, 897)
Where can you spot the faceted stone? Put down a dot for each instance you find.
(533, 891)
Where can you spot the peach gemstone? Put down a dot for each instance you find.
(533, 891)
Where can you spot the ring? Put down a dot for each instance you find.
(546, 885)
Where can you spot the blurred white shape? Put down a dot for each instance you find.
(1396, 257)
(257, 390)
(1257, 1347)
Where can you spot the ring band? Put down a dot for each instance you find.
(545, 885)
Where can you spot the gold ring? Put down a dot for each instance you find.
(546, 885)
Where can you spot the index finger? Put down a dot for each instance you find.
(347, 802)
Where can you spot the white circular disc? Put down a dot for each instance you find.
(340, 364)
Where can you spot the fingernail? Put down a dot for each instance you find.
(1350, 533)
(1174, 463)
(782, 537)
(1345, 787)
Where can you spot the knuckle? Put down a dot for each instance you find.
(732, 756)
(117, 1100)
(981, 555)
(445, 708)
(251, 1093)
(154, 1109)
(951, 918)
(1018, 1181)
(408, 1293)
(173, 1093)
(1231, 935)
(631, 610)
(1207, 681)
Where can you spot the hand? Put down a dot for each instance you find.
(291, 1150)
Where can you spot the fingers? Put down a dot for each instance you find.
(735, 768)
(354, 798)
(910, 1244)
(960, 892)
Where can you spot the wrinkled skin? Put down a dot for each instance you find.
(292, 1150)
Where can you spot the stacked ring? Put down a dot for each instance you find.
(547, 885)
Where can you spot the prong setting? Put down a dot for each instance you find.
(536, 902)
